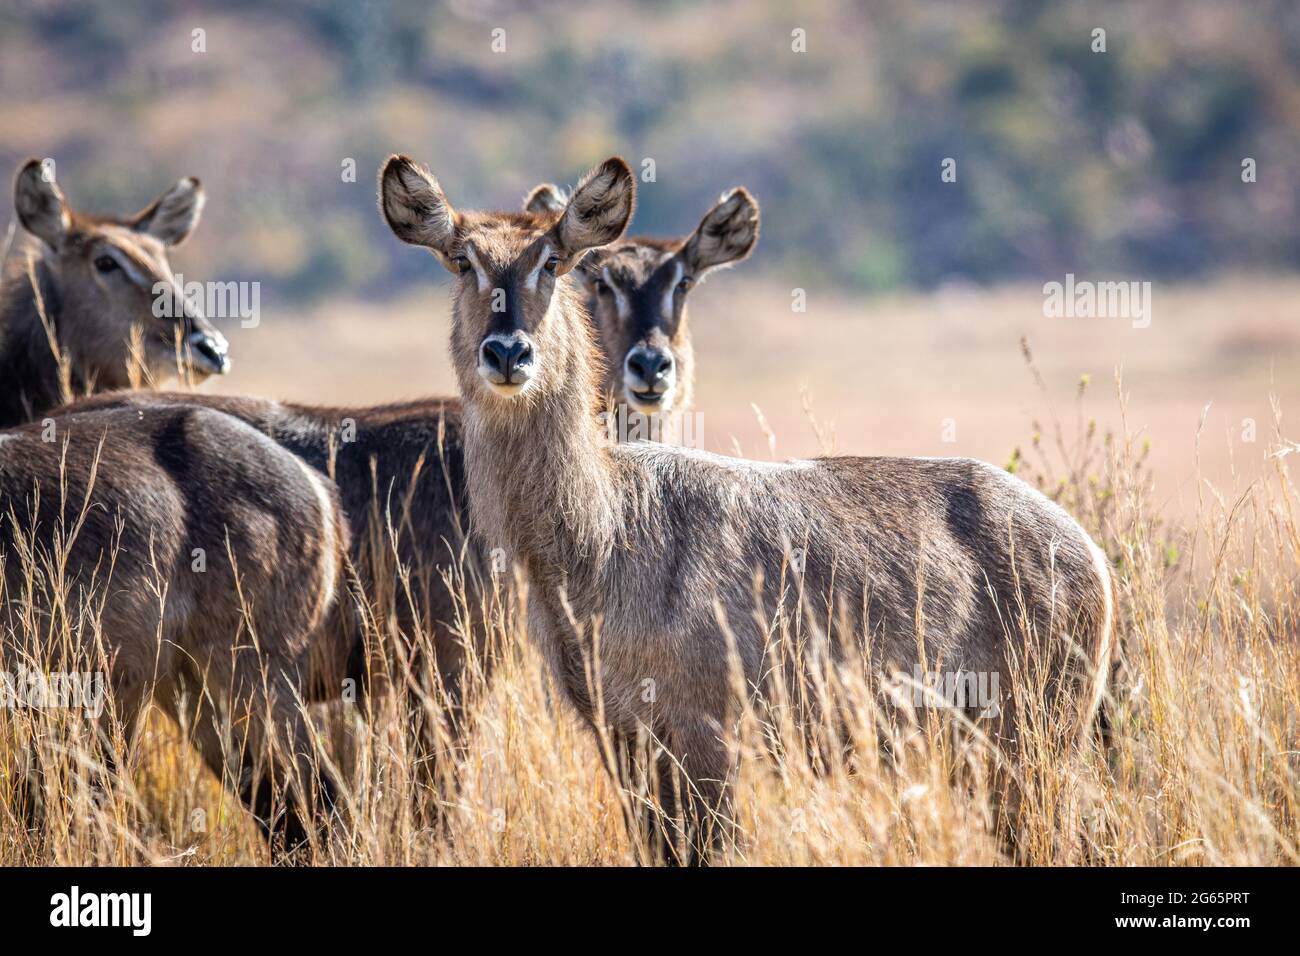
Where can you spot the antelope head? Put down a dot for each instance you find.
(517, 315)
(638, 290)
(115, 285)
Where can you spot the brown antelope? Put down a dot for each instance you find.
(397, 466)
(637, 292)
(406, 461)
(657, 554)
(195, 563)
(84, 313)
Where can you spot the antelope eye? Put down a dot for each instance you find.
(462, 264)
(685, 284)
(601, 286)
(105, 263)
(552, 263)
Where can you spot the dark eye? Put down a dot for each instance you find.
(462, 264)
(685, 284)
(602, 287)
(552, 264)
(105, 263)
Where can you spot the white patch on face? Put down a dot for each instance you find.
(620, 300)
(509, 391)
(531, 281)
(479, 273)
(132, 252)
(661, 407)
(667, 308)
(129, 267)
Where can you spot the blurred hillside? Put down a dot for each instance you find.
(1125, 163)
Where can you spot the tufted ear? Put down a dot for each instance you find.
(40, 204)
(414, 206)
(597, 213)
(546, 198)
(172, 216)
(727, 233)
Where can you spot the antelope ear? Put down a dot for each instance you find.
(172, 216)
(727, 233)
(546, 198)
(597, 213)
(40, 204)
(414, 206)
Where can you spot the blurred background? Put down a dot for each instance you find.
(1125, 164)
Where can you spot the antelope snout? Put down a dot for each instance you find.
(506, 363)
(648, 376)
(209, 350)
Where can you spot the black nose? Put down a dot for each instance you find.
(651, 366)
(505, 358)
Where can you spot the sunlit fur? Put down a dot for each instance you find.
(677, 561)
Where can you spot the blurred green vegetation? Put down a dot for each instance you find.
(1124, 163)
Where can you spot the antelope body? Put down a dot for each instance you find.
(202, 559)
(400, 466)
(671, 558)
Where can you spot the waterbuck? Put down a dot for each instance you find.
(637, 290)
(402, 465)
(655, 572)
(194, 562)
(79, 310)
(400, 473)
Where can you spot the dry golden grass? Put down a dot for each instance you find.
(1204, 767)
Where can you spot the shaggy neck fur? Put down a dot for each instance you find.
(29, 372)
(545, 484)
